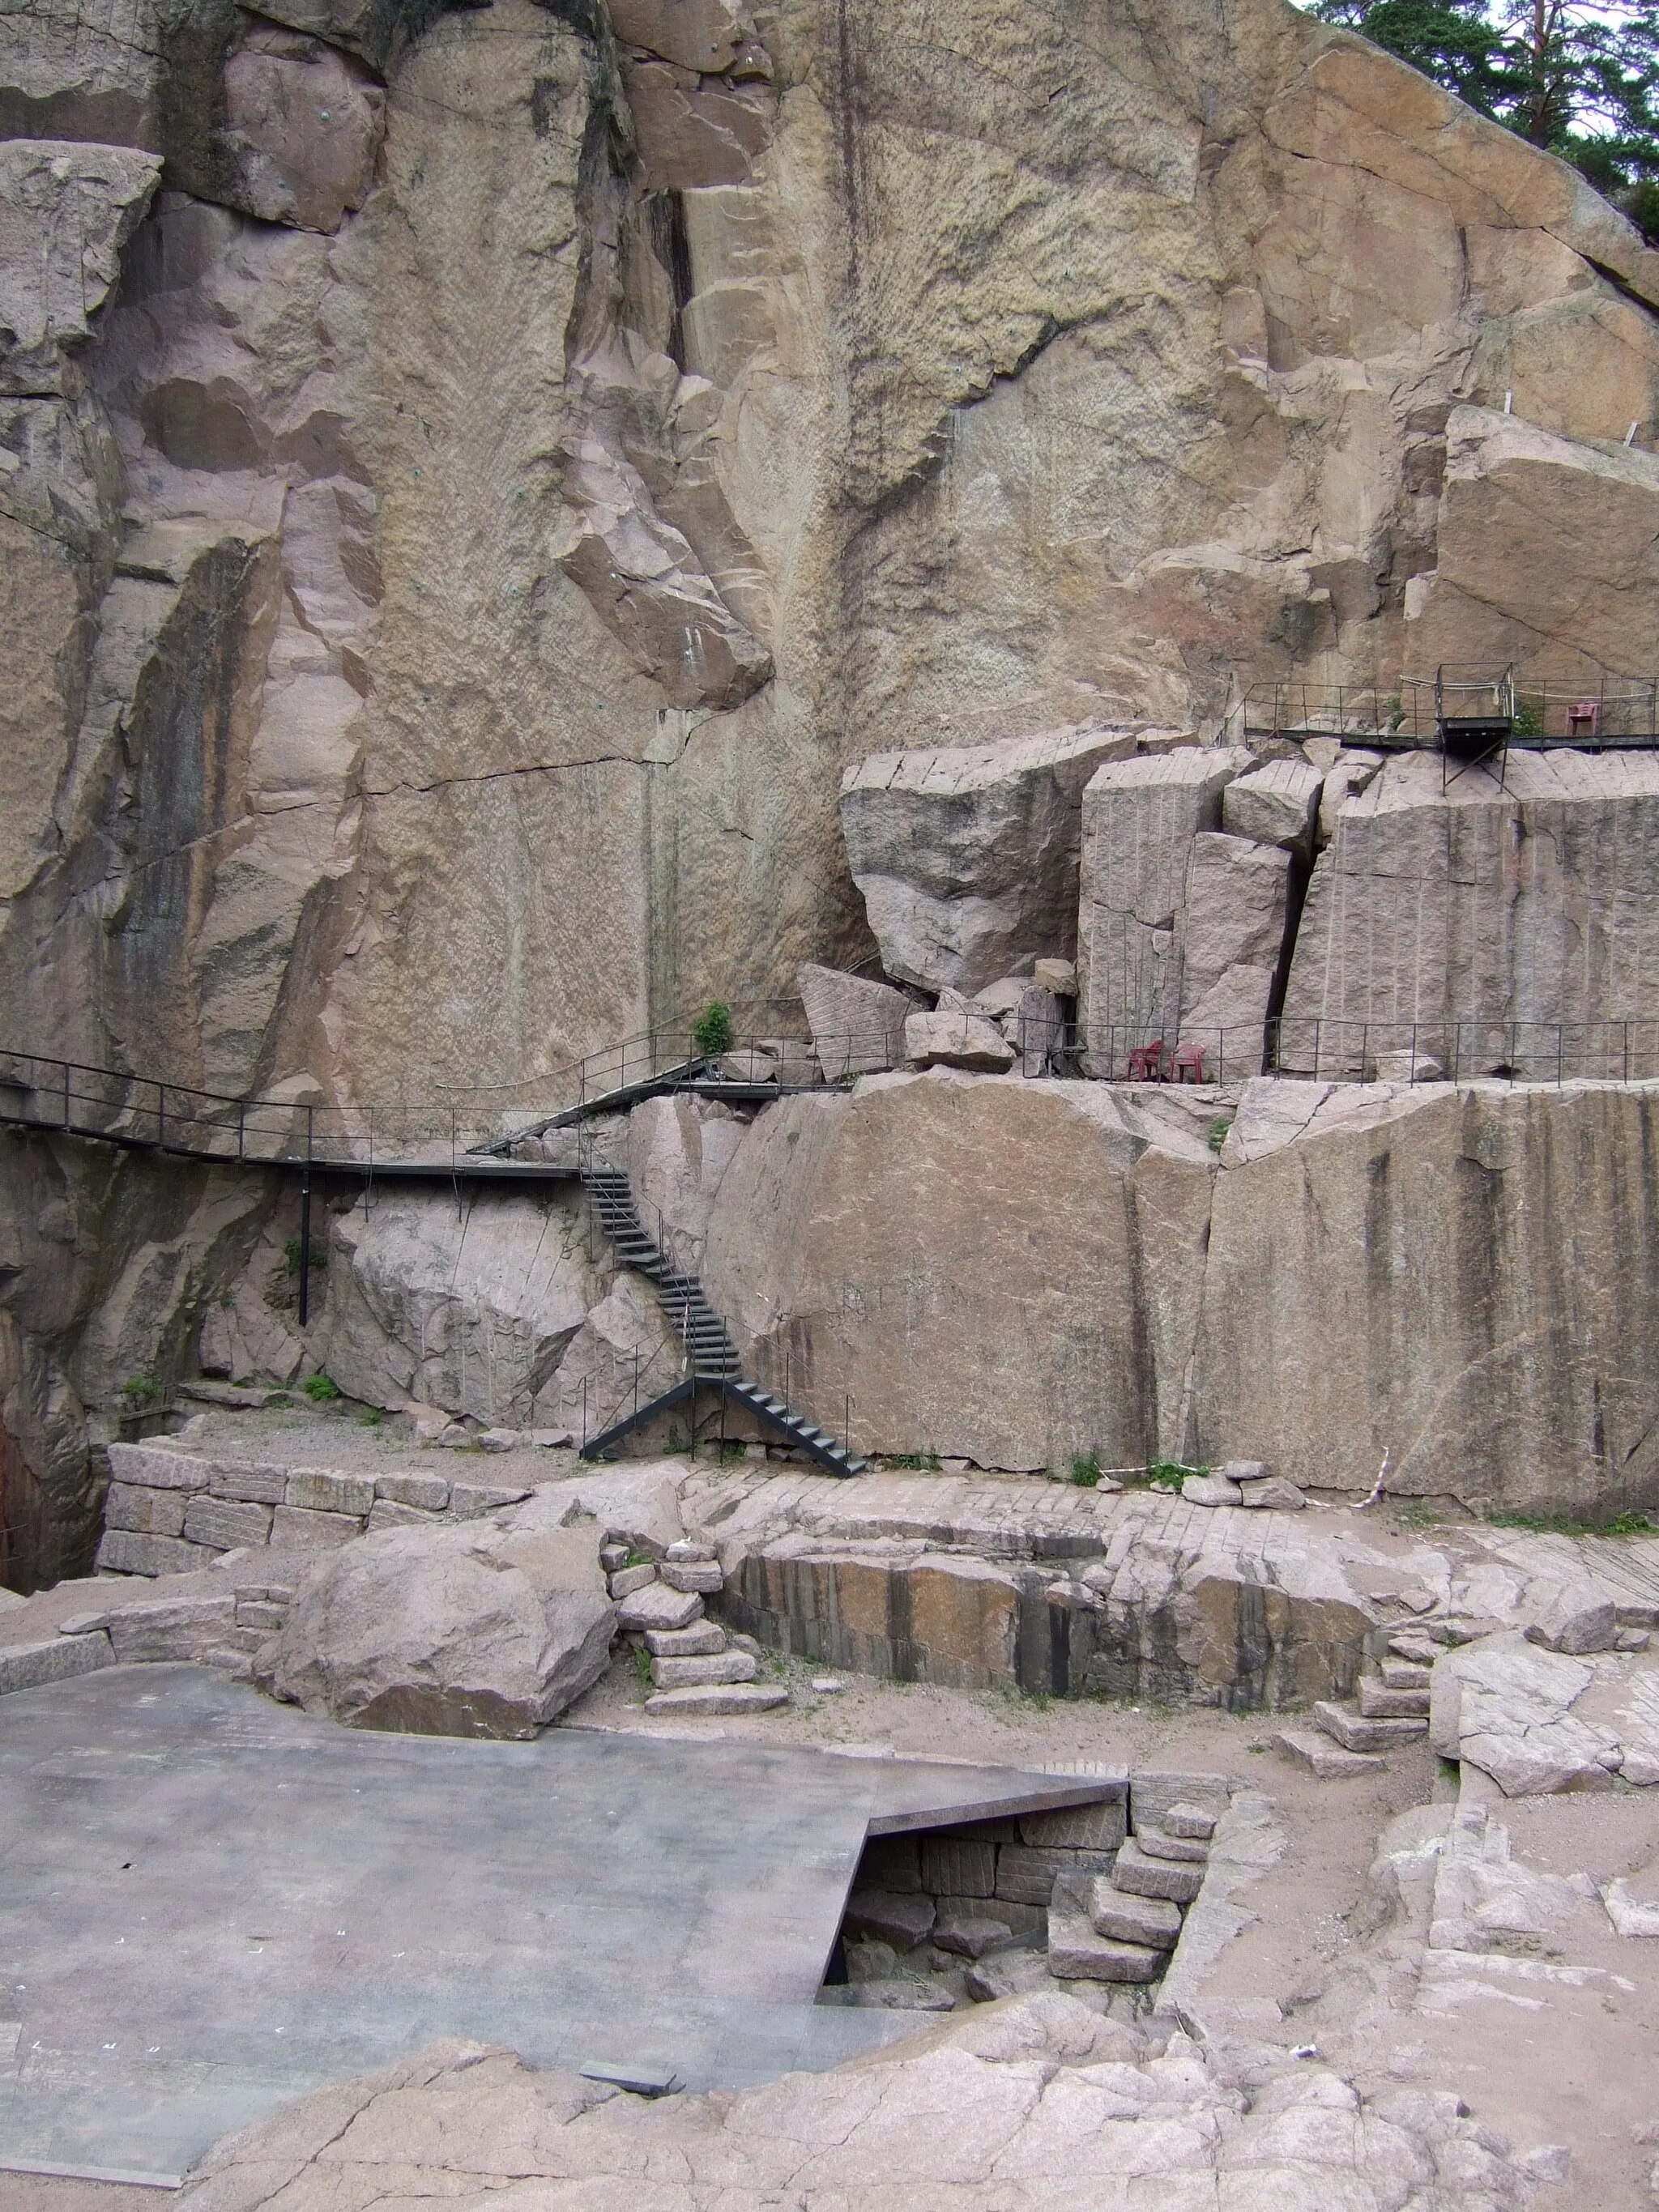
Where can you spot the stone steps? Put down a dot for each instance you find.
(1123, 1926)
(1379, 1718)
(694, 1667)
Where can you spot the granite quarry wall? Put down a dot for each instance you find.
(474, 484)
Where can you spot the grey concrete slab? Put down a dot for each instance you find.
(211, 1903)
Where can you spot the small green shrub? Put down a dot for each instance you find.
(321, 1388)
(373, 1418)
(642, 1668)
(713, 1031)
(1086, 1470)
(1171, 1474)
(291, 1255)
(915, 1462)
(1567, 1524)
(1219, 1129)
(144, 1388)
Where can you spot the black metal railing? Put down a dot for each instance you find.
(1609, 715)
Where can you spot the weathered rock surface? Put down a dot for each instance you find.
(66, 211)
(967, 857)
(462, 1632)
(954, 1037)
(987, 2110)
(1473, 920)
(503, 1313)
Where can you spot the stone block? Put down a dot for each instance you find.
(613, 1557)
(386, 1513)
(967, 855)
(1210, 1489)
(1325, 1760)
(429, 1491)
(701, 1641)
(715, 1700)
(225, 1523)
(957, 1040)
(716, 1667)
(1080, 1827)
(153, 1467)
(1186, 1850)
(1355, 1733)
(1272, 1495)
(124, 1552)
(656, 1606)
(1277, 803)
(52, 1659)
(1059, 977)
(700, 1575)
(1141, 1875)
(1127, 1918)
(1405, 1673)
(958, 1867)
(146, 1512)
(312, 1491)
(292, 1526)
(259, 1485)
(687, 1549)
(1026, 1872)
(1077, 1952)
(891, 1862)
(164, 1629)
(969, 1934)
(1189, 1820)
(1140, 818)
(902, 1918)
(258, 1613)
(1153, 1791)
(857, 1025)
(1378, 1702)
(1577, 1620)
(471, 1501)
(626, 1580)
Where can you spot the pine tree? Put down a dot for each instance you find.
(1581, 81)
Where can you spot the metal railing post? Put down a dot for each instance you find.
(241, 1111)
(66, 1094)
(161, 1115)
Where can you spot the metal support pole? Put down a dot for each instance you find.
(66, 1094)
(160, 1115)
(846, 1427)
(305, 1245)
(241, 1109)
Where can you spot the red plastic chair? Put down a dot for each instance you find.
(1147, 1063)
(1584, 719)
(1190, 1063)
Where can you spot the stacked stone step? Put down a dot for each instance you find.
(1391, 1707)
(695, 1668)
(1123, 1926)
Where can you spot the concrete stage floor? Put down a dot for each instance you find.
(210, 1903)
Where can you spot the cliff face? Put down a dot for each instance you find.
(470, 483)
(471, 506)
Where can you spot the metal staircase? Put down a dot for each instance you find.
(712, 1354)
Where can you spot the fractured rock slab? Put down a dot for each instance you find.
(729, 1698)
(1119, 1913)
(1141, 1875)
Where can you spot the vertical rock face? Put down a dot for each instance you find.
(961, 1258)
(1486, 916)
(1232, 940)
(470, 515)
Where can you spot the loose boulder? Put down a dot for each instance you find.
(857, 1025)
(475, 1631)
